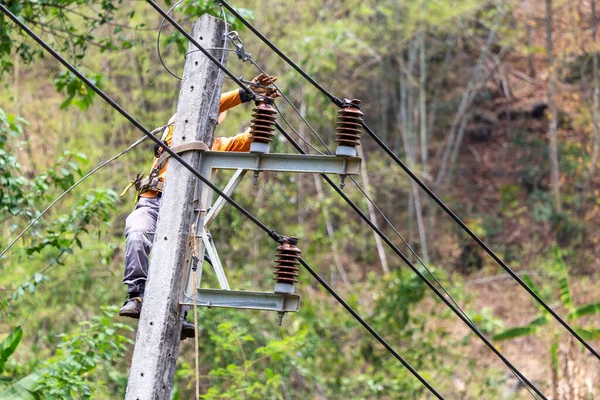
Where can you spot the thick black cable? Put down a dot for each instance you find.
(366, 325)
(463, 317)
(414, 253)
(244, 21)
(137, 124)
(473, 326)
(487, 249)
(476, 238)
(272, 234)
(415, 269)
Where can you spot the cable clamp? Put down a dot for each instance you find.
(339, 102)
(276, 237)
(264, 99)
(239, 46)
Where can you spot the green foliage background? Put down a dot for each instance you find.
(60, 285)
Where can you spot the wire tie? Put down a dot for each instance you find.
(338, 102)
(275, 236)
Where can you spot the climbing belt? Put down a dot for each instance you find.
(195, 260)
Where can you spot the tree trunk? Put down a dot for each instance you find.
(331, 232)
(437, 88)
(595, 95)
(553, 126)
(456, 149)
(477, 79)
(423, 100)
(365, 181)
(529, 21)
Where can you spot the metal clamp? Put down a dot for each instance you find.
(239, 46)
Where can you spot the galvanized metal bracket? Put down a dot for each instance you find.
(207, 211)
(266, 301)
(295, 163)
(220, 202)
(209, 245)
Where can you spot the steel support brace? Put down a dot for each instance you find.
(209, 245)
(265, 301)
(298, 163)
(206, 211)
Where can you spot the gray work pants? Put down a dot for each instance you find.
(140, 227)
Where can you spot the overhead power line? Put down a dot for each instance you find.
(255, 220)
(90, 173)
(395, 249)
(314, 132)
(380, 233)
(429, 192)
(247, 57)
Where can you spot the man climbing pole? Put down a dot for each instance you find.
(140, 225)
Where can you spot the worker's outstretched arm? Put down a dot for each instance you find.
(239, 142)
(239, 96)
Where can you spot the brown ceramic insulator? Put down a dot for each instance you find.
(263, 119)
(349, 123)
(286, 270)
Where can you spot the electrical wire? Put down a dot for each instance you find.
(162, 24)
(244, 21)
(414, 253)
(294, 107)
(417, 271)
(189, 37)
(371, 224)
(480, 242)
(87, 175)
(430, 193)
(272, 234)
(470, 322)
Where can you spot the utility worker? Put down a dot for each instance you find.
(140, 225)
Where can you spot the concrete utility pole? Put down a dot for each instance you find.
(159, 328)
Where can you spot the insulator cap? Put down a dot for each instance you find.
(263, 119)
(286, 269)
(349, 123)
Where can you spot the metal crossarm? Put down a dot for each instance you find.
(207, 210)
(265, 301)
(298, 163)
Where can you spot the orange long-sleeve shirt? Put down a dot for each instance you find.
(239, 142)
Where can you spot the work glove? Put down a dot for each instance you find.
(260, 85)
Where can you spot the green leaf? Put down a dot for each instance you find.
(588, 333)
(554, 355)
(588, 309)
(516, 332)
(563, 282)
(17, 392)
(543, 320)
(24, 388)
(535, 290)
(9, 345)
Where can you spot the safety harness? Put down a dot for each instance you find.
(152, 182)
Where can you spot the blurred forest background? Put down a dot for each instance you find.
(494, 104)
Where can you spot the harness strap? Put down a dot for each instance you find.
(191, 146)
(152, 182)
